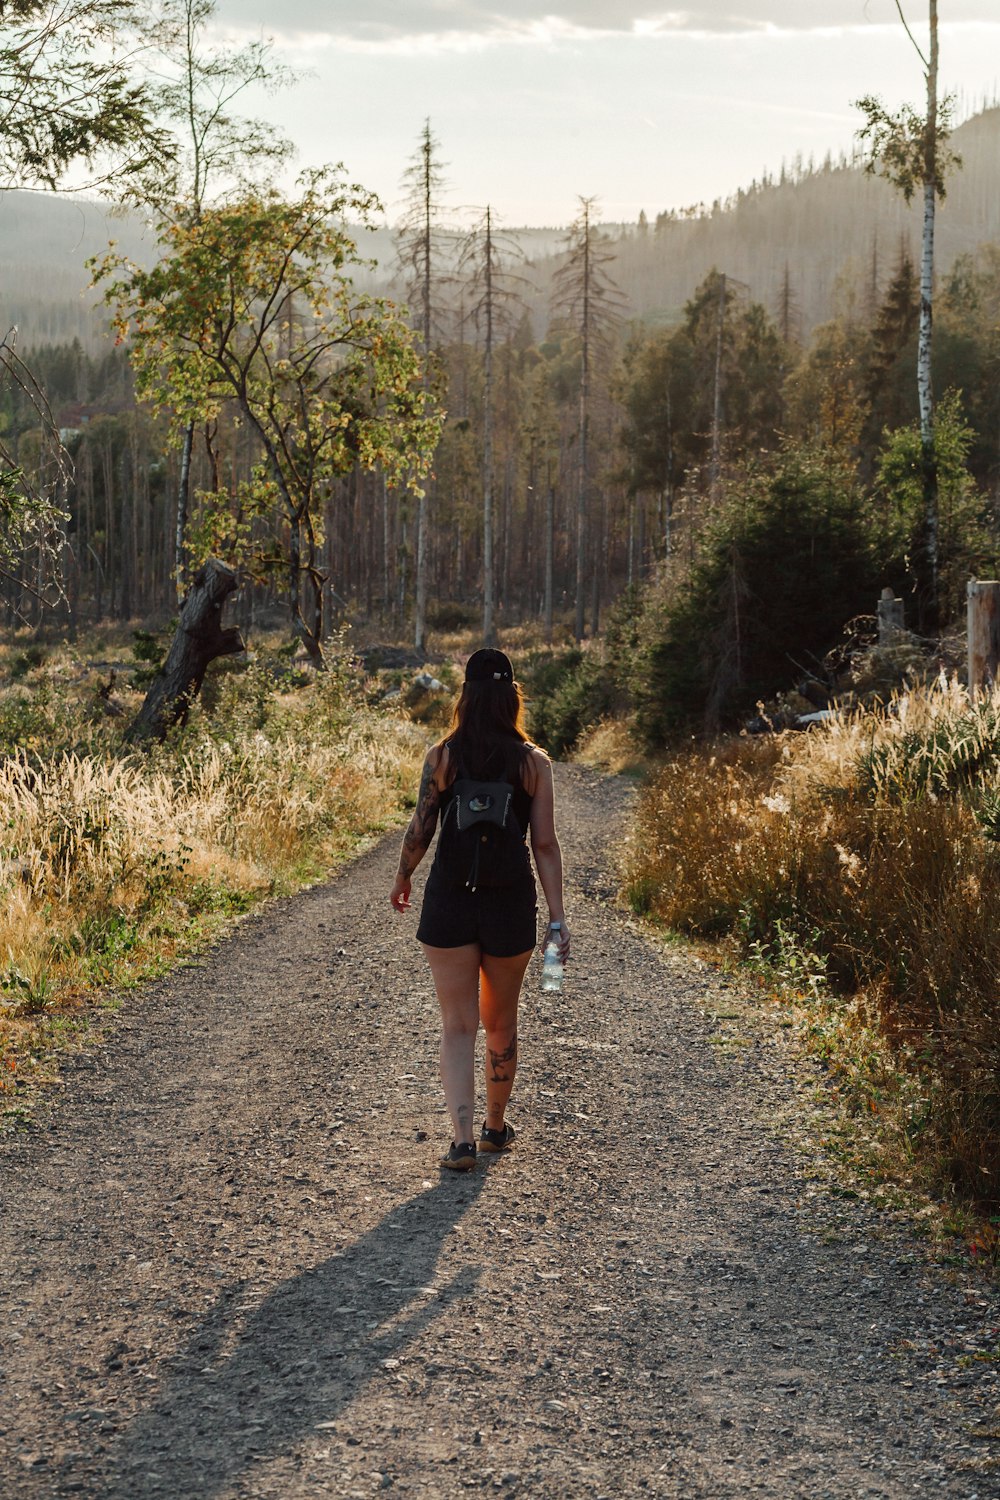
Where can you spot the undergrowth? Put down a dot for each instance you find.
(860, 865)
(113, 863)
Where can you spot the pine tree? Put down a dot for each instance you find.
(893, 330)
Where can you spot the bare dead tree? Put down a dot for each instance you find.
(485, 261)
(584, 292)
(32, 501)
(420, 252)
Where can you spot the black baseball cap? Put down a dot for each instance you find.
(488, 665)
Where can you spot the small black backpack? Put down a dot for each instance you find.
(481, 841)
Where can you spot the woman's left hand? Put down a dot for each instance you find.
(561, 935)
(400, 894)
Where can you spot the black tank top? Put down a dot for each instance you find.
(461, 862)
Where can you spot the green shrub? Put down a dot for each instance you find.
(451, 614)
(791, 555)
(28, 660)
(542, 674)
(571, 690)
(27, 722)
(149, 647)
(966, 547)
(960, 752)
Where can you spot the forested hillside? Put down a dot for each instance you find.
(45, 242)
(790, 239)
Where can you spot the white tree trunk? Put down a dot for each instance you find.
(420, 609)
(423, 524)
(925, 389)
(582, 481)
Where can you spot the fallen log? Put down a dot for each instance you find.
(199, 639)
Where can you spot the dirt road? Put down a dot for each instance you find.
(229, 1265)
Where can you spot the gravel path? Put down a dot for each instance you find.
(228, 1265)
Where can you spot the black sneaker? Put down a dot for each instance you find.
(461, 1156)
(497, 1140)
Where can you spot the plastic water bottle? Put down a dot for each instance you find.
(552, 967)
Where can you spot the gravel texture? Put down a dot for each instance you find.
(230, 1267)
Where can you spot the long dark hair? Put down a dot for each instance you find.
(487, 737)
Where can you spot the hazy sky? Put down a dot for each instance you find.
(645, 106)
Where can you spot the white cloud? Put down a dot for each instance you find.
(395, 25)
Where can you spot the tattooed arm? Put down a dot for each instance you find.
(417, 838)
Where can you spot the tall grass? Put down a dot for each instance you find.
(113, 864)
(864, 855)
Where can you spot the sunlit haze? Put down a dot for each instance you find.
(644, 107)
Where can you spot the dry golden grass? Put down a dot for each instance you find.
(610, 746)
(859, 861)
(517, 640)
(112, 865)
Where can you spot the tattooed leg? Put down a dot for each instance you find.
(502, 1065)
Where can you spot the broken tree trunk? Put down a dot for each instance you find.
(200, 638)
(984, 633)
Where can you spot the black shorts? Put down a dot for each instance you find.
(503, 920)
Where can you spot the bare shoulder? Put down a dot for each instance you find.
(437, 763)
(538, 767)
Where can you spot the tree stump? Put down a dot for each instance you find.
(200, 638)
(890, 619)
(984, 633)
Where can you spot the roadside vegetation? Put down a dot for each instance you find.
(856, 869)
(113, 865)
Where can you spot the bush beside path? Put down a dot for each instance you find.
(229, 1266)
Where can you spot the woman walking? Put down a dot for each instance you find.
(478, 925)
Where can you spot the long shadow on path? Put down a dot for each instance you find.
(254, 1381)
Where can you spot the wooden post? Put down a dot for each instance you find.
(890, 619)
(984, 633)
(200, 638)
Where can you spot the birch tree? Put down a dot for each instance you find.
(338, 388)
(910, 149)
(195, 86)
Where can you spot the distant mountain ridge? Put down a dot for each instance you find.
(800, 233)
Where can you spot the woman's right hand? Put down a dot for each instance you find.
(400, 893)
